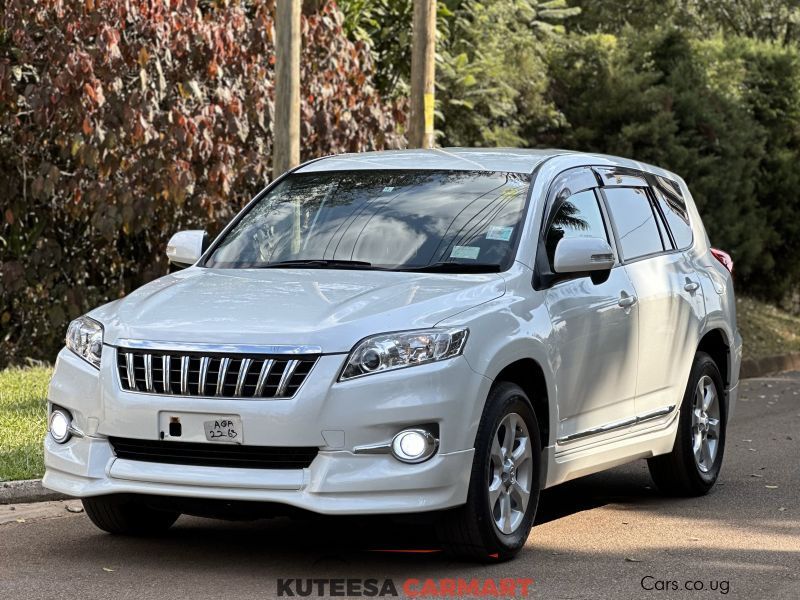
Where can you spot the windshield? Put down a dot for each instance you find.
(396, 220)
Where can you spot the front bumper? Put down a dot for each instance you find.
(336, 482)
(335, 417)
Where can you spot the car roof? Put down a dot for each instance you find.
(508, 160)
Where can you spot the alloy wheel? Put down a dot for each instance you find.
(705, 423)
(510, 473)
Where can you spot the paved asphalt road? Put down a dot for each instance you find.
(599, 537)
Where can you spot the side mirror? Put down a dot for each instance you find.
(583, 255)
(186, 247)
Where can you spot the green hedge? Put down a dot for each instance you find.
(709, 90)
(724, 113)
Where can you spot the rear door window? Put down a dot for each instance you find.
(635, 222)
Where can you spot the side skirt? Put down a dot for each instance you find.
(609, 427)
(609, 448)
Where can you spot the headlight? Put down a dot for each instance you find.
(390, 351)
(85, 338)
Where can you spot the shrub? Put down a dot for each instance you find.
(122, 121)
(721, 112)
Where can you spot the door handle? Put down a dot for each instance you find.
(626, 301)
(691, 286)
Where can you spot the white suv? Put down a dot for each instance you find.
(410, 331)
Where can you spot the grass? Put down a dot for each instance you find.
(23, 416)
(766, 330)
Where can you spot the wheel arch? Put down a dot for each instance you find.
(715, 343)
(528, 374)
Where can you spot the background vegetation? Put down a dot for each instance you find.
(23, 416)
(122, 121)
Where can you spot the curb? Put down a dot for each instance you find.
(27, 490)
(769, 365)
(31, 490)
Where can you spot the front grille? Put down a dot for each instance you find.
(214, 455)
(218, 375)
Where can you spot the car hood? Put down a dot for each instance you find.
(332, 309)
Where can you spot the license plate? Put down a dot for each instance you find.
(224, 429)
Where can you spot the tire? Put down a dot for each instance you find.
(470, 531)
(125, 515)
(681, 472)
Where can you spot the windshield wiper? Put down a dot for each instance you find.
(455, 267)
(319, 263)
(437, 267)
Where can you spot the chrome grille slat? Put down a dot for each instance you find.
(266, 367)
(165, 366)
(288, 371)
(223, 371)
(240, 379)
(201, 385)
(130, 370)
(184, 375)
(256, 376)
(148, 373)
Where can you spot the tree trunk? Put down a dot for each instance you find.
(423, 54)
(286, 150)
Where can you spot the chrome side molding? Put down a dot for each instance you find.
(648, 416)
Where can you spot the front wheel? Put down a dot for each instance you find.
(504, 484)
(692, 468)
(126, 515)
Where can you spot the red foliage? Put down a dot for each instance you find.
(122, 121)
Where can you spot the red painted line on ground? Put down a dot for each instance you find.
(410, 551)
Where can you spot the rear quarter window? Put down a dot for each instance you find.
(677, 216)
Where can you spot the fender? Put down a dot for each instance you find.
(502, 334)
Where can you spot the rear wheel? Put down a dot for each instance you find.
(127, 515)
(692, 468)
(504, 485)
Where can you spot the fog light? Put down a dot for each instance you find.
(414, 445)
(60, 423)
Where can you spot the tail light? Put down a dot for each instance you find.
(724, 258)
